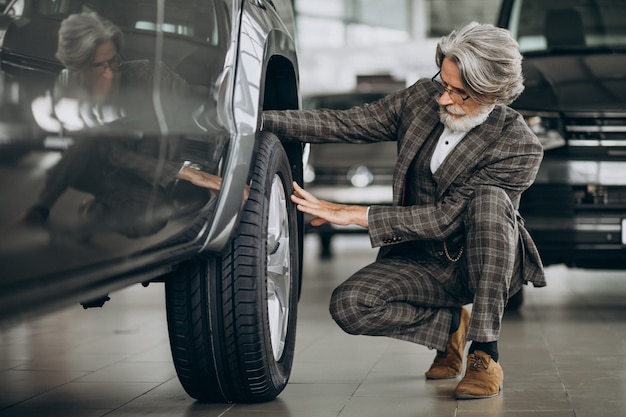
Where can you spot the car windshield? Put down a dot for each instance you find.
(545, 26)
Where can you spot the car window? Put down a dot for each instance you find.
(541, 25)
(187, 24)
(184, 46)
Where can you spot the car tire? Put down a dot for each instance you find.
(232, 318)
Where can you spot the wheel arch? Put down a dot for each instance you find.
(281, 92)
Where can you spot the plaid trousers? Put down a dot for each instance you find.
(409, 297)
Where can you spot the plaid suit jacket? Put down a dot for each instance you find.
(501, 152)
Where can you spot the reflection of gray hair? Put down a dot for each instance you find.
(79, 37)
(489, 62)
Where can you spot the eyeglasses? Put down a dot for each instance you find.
(99, 68)
(458, 96)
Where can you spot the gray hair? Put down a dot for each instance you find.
(79, 37)
(489, 62)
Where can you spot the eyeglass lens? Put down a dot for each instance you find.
(457, 96)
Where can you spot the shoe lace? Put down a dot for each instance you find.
(478, 362)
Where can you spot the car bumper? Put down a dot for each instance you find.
(591, 241)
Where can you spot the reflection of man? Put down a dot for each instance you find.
(454, 235)
(125, 176)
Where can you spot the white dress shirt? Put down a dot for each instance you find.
(447, 141)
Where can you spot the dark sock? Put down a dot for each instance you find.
(456, 319)
(490, 348)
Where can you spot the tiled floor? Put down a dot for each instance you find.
(564, 355)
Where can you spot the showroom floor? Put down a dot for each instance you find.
(564, 355)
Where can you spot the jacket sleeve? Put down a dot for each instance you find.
(512, 165)
(373, 122)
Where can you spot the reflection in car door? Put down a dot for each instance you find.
(96, 183)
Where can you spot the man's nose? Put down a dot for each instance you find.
(445, 99)
(108, 73)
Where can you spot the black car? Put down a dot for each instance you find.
(230, 254)
(575, 101)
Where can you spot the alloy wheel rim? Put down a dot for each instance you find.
(278, 267)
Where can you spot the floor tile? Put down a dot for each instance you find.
(563, 354)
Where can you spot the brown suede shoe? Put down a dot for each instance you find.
(449, 364)
(483, 378)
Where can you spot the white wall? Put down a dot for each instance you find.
(335, 69)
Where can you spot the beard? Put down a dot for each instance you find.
(449, 116)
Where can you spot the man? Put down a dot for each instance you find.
(454, 235)
(130, 179)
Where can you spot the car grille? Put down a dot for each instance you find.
(597, 196)
(596, 130)
(560, 199)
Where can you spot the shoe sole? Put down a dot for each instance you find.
(435, 378)
(477, 397)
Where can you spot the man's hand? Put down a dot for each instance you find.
(325, 211)
(200, 178)
(206, 180)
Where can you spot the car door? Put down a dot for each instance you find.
(90, 188)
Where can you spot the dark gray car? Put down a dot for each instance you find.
(229, 254)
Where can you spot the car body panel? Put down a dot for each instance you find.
(256, 45)
(44, 267)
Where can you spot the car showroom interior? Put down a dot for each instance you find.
(312, 208)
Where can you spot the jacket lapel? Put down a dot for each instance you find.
(468, 151)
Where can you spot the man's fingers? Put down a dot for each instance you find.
(299, 191)
(297, 188)
(297, 199)
(326, 211)
(307, 203)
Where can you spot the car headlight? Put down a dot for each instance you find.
(360, 176)
(547, 127)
